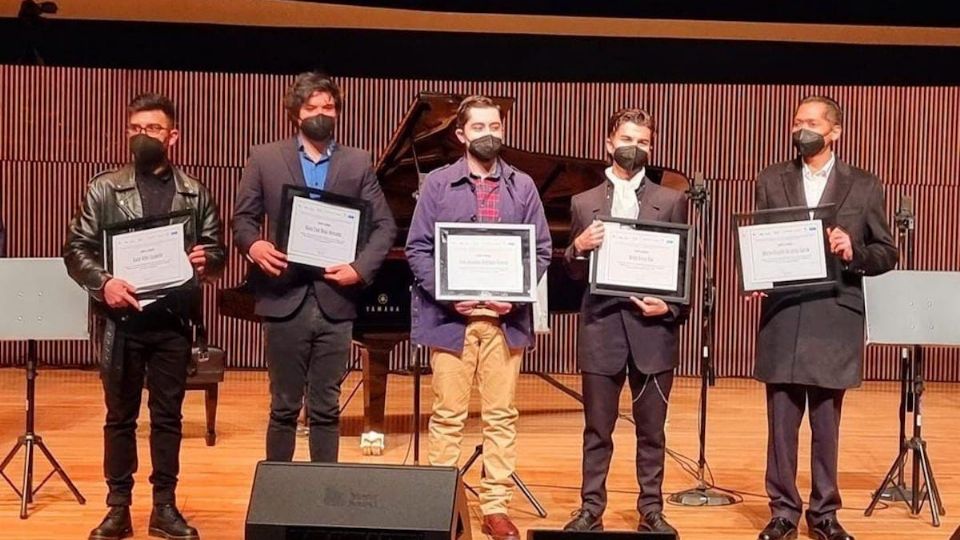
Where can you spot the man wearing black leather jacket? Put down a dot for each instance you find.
(141, 339)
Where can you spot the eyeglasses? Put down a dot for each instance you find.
(149, 129)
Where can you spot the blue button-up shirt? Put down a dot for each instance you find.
(315, 172)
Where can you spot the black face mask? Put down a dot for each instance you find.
(631, 158)
(807, 142)
(148, 153)
(318, 128)
(485, 148)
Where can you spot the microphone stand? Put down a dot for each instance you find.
(704, 493)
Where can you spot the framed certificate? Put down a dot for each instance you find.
(151, 253)
(320, 229)
(485, 262)
(642, 258)
(786, 249)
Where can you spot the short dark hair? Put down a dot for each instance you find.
(153, 102)
(474, 102)
(639, 117)
(834, 112)
(304, 86)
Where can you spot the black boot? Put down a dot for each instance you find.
(115, 526)
(583, 521)
(656, 522)
(827, 529)
(778, 529)
(166, 522)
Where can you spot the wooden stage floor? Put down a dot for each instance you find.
(215, 481)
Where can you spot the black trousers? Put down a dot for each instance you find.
(155, 345)
(306, 351)
(785, 408)
(601, 396)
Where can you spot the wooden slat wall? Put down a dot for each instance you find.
(61, 125)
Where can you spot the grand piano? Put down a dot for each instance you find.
(426, 140)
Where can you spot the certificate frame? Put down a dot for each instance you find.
(823, 217)
(187, 217)
(679, 295)
(528, 255)
(291, 192)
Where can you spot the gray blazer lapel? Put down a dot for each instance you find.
(333, 172)
(291, 156)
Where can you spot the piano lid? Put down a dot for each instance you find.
(426, 139)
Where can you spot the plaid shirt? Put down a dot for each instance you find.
(488, 197)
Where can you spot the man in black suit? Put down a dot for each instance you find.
(623, 339)
(810, 344)
(3, 239)
(308, 318)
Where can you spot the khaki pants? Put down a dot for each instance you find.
(496, 367)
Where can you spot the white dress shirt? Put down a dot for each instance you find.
(815, 182)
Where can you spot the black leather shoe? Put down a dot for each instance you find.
(827, 529)
(583, 521)
(778, 529)
(115, 526)
(656, 522)
(166, 522)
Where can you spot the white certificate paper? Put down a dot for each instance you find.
(631, 257)
(484, 263)
(780, 252)
(152, 259)
(322, 234)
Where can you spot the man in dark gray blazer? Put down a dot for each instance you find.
(3, 239)
(810, 344)
(623, 339)
(307, 318)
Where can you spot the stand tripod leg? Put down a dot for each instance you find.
(59, 470)
(530, 497)
(933, 483)
(26, 493)
(477, 452)
(929, 483)
(890, 478)
(6, 461)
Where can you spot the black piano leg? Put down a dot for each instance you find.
(211, 396)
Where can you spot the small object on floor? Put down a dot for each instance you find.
(372, 443)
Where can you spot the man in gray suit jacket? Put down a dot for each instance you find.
(810, 344)
(307, 317)
(622, 339)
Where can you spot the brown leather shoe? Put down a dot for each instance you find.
(499, 527)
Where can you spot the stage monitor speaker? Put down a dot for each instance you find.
(605, 535)
(321, 501)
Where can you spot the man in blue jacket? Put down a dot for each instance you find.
(470, 340)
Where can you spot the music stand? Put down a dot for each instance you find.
(926, 301)
(40, 302)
